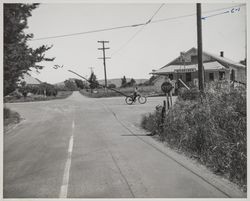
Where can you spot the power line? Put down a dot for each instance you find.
(155, 13)
(88, 32)
(132, 25)
(193, 14)
(203, 18)
(128, 41)
(136, 33)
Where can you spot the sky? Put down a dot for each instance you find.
(134, 51)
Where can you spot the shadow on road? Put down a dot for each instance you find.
(138, 135)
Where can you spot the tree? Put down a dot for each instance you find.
(132, 82)
(152, 79)
(112, 85)
(42, 89)
(49, 89)
(70, 85)
(244, 62)
(93, 81)
(124, 81)
(79, 84)
(19, 58)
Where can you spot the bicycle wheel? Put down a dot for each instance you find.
(142, 99)
(129, 100)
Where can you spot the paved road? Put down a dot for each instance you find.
(91, 148)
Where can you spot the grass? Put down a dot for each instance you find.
(60, 95)
(100, 93)
(210, 128)
(10, 117)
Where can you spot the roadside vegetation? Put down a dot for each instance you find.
(100, 92)
(36, 97)
(94, 90)
(10, 118)
(41, 92)
(209, 128)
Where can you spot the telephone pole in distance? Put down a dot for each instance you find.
(91, 69)
(104, 59)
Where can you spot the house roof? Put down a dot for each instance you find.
(29, 79)
(214, 56)
(225, 60)
(173, 68)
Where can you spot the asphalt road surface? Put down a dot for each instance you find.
(91, 148)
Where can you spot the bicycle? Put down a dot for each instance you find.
(131, 99)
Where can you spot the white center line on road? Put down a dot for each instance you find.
(64, 187)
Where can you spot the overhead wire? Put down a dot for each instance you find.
(88, 32)
(132, 25)
(194, 14)
(128, 41)
(137, 32)
(155, 13)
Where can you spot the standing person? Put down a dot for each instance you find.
(170, 91)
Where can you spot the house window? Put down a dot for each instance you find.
(221, 75)
(188, 77)
(211, 76)
(194, 59)
(171, 76)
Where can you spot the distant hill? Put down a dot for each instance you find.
(59, 84)
(116, 81)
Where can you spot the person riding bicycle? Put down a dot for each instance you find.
(135, 93)
(135, 96)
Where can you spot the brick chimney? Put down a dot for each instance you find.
(222, 54)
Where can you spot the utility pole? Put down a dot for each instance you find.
(91, 69)
(199, 42)
(104, 59)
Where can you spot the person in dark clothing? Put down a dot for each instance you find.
(135, 93)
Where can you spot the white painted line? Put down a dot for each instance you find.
(64, 187)
(71, 144)
(65, 183)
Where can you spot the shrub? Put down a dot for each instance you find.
(6, 113)
(152, 122)
(10, 117)
(192, 94)
(212, 128)
(112, 85)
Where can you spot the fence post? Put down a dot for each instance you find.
(168, 101)
(163, 112)
(163, 115)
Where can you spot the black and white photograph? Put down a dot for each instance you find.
(124, 99)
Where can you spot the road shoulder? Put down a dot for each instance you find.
(222, 184)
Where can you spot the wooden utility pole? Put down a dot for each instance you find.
(104, 59)
(91, 69)
(199, 42)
